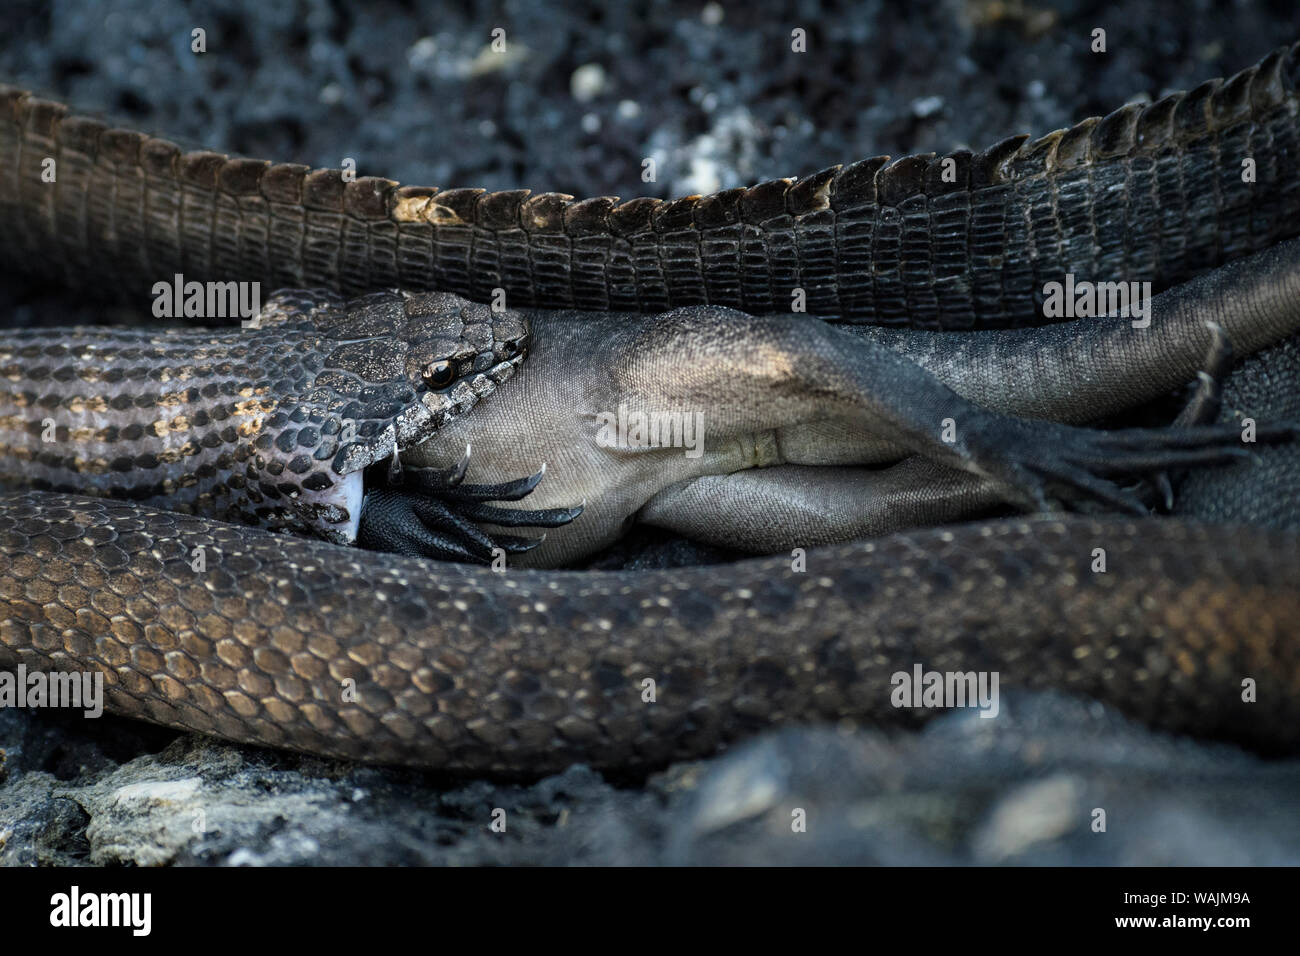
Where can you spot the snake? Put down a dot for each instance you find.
(292, 642)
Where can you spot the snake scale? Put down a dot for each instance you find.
(307, 645)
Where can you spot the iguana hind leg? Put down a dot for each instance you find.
(771, 510)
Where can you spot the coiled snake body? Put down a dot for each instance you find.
(305, 644)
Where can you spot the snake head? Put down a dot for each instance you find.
(353, 382)
(460, 350)
(401, 365)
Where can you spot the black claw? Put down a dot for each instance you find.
(1164, 491)
(512, 544)
(506, 491)
(1091, 487)
(1152, 461)
(456, 473)
(1203, 406)
(432, 513)
(518, 517)
(438, 481)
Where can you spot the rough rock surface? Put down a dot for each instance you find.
(1024, 788)
(581, 97)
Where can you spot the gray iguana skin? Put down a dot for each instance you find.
(1148, 193)
(799, 417)
(1265, 387)
(274, 426)
(252, 425)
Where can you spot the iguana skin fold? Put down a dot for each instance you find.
(1152, 193)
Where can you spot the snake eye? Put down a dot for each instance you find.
(439, 374)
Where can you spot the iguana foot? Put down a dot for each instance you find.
(1047, 466)
(1203, 405)
(1079, 467)
(432, 513)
